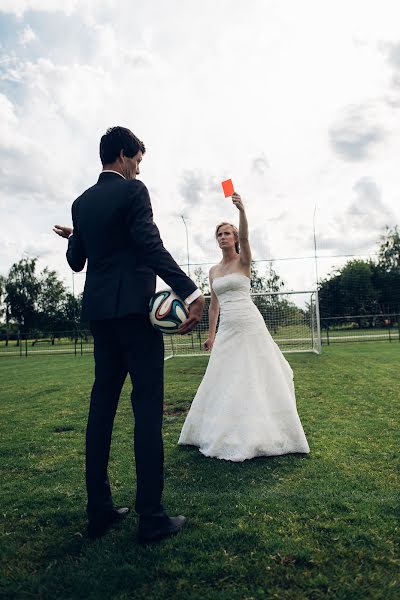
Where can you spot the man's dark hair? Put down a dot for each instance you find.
(116, 139)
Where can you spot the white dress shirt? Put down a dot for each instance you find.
(111, 171)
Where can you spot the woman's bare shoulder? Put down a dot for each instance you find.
(212, 271)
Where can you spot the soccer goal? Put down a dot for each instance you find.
(291, 317)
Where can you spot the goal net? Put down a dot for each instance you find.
(292, 319)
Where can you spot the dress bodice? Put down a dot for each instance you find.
(231, 288)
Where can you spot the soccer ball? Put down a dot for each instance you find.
(167, 311)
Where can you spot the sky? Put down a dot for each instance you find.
(297, 101)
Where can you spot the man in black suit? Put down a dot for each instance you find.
(113, 230)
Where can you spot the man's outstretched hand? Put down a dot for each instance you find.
(195, 313)
(62, 231)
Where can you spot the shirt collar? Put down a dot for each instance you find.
(111, 171)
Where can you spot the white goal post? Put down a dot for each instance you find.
(291, 317)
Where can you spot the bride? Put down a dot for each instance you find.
(245, 405)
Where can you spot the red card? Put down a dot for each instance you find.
(227, 186)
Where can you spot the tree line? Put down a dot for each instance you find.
(32, 301)
(35, 302)
(367, 290)
(38, 303)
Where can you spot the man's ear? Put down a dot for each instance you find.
(121, 154)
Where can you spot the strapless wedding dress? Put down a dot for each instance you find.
(245, 405)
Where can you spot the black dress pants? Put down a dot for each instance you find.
(121, 346)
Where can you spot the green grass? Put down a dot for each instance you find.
(291, 527)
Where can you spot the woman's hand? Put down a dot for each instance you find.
(208, 344)
(237, 201)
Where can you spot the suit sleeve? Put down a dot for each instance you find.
(76, 255)
(146, 238)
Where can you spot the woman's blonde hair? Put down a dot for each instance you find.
(235, 233)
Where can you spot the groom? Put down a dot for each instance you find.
(113, 230)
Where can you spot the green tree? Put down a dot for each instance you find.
(389, 250)
(22, 289)
(257, 281)
(273, 281)
(357, 289)
(201, 280)
(71, 311)
(2, 296)
(275, 308)
(387, 286)
(364, 287)
(50, 302)
(330, 298)
(39, 303)
(270, 282)
(386, 274)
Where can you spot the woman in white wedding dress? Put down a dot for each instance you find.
(245, 405)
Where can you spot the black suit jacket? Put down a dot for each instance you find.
(114, 231)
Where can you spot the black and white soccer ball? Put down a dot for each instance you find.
(167, 311)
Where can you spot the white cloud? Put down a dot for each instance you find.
(391, 50)
(26, 36)
(358, 226)
(354, 135)
(258, 94)
(20, 7)
(260, 165)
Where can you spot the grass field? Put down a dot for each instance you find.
(291, 527)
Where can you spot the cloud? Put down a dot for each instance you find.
(368, 208)
(20, 7)
(42, 247)
(355, 133)
(392, 53)
(259, 243)
(280, 217)
(28, 143)
(7, 114)
(260, 165)
(208, 108)
(192, 187)
(26, 36)
(368, 197)
(207, 243)
(359, 226)
(196, 187)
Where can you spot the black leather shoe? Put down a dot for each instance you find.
(100, 522)
(154, 528)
